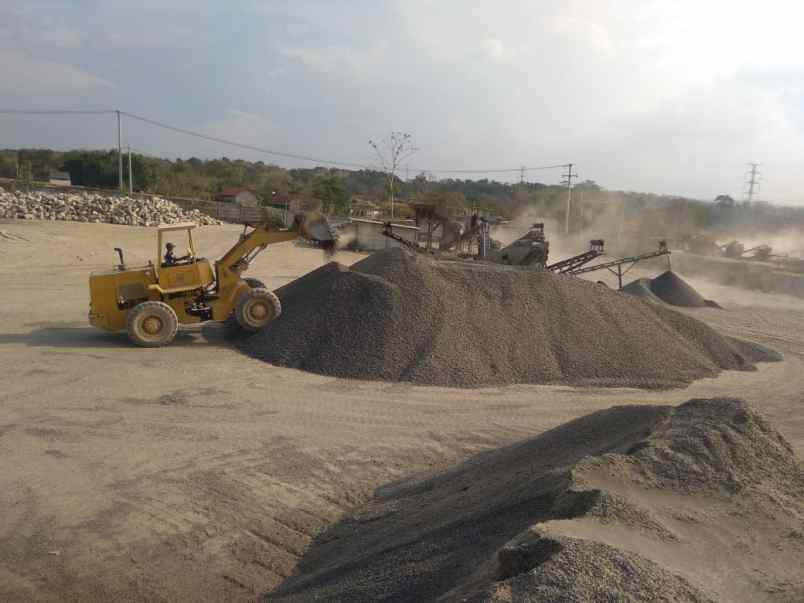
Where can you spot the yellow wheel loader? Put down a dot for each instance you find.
(151, 301)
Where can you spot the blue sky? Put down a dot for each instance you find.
(672, 97)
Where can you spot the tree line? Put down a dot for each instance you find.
(336, 189)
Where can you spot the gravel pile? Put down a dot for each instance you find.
(702, 502)
(669, 288)
(397, 316)
(716, 460)
(641, 288)
(92, 207)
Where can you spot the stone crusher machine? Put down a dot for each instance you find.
(759, 253)
(448, 231)
(440, 233)
(533, 250)
(151, 301)
(529, 251)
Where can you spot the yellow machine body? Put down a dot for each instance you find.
(192, 287)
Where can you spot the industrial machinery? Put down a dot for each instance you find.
(733, 250)
(761, 253)
(151, 301)
(531, 249)
(569, 265)
(616, 266)
(438, 232)
(702, 244)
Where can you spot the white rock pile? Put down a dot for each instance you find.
(92, 207)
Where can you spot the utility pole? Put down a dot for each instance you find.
(568, 181)
(522, 175)
(130, 173)
(119, 151)
(752, 181)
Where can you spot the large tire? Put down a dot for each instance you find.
(254, 283)
(152, 324)
(256, 308)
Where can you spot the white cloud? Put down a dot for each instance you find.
(650, 94)
(496, 50)
(583, 31)
(332, 59)
(242, 126)
(24, 74)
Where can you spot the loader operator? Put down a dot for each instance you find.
(170, 259)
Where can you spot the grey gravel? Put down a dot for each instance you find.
(669, 288)
(397, 316)
(631, 503)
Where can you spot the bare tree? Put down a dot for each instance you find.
(392, 151)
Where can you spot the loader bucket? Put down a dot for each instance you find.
(314, 226)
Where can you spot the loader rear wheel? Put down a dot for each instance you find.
(256, 308)
(255, 283)
(152, 324)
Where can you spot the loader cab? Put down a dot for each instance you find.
(188, 273)
(183, 231)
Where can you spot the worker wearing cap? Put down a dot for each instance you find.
(171, 259)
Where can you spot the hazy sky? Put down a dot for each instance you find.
(666, 96)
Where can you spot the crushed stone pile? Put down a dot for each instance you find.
(92, 207)
(669, 288)
(398, 316)
(701, 502)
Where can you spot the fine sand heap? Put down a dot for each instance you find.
(670, 289)
(703, 502)
(398, 316)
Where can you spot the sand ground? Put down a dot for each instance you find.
(196, 473)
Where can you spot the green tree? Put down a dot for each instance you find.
(446, 199)
(334, 197)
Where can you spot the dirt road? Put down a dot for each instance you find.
(196, 473)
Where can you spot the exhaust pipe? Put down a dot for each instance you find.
(122, 265)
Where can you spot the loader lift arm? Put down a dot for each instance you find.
(234, 262)
(248, 247)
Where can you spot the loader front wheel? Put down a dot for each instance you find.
(152, 324)
(254, 283)
(256, 308)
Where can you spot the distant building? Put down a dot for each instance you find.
(241, 196)
(290, 205)
(60, 179)
(363, 208)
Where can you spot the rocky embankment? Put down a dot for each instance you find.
(93, 207)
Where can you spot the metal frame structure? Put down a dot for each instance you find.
(568, 265)
(388, 231)
(618, 264)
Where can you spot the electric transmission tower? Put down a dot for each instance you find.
(567, 181)
(751, 181)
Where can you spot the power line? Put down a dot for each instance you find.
(249, 147)
(57, 112)
(239, 144)
(120, 150)
(752, 181)
(568, 181)
(493, 171)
